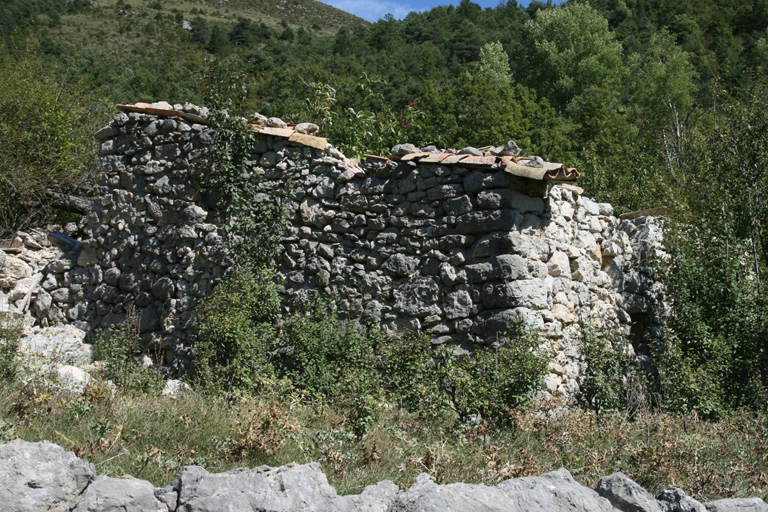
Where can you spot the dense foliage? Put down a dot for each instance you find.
(341, 361)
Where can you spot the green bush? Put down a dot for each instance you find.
(607, 376)
(326, 355)
(237, 332)
(715, 359)
(345, 363)
(490, 380)
(406, 368)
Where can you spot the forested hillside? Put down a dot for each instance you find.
(657, 102)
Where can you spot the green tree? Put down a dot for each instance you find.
(570, 49)
(201, 32)
(475, 112)
(717, 355)
(662, 86)
(218, 40)
(46, 143)
(494, 64)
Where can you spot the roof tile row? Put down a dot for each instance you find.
(487, 157)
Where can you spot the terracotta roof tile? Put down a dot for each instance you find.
(547, 171)
(478, 161)
(435, 158)
(453, 159)
(412, 156)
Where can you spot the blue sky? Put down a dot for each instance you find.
(373, 10)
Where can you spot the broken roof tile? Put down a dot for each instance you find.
(375, 157)
(411, 156)
(453, 159)
(146, 108)
(435, 158)
(270, 130)
(479, 161)
(504, 160)
(309, 140)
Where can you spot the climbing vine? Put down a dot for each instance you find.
(252, 207)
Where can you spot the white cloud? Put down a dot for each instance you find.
(372, 10)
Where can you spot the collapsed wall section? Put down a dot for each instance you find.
(458, 251)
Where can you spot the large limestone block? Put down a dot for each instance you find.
(427, 496)
(418, 297)
(13, 270)
(559, 265)
(294, 488)
(626, 495)
(21, 288)
(674, 499)
(553, 491)
(531, 293)
(556, 491)
(72, 378)
(62, 344)
(40, 476)
(737, 505)
(108, 494)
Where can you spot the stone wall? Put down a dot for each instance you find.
(457, 251)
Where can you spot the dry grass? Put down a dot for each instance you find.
(152, 437)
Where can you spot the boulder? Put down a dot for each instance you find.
(307, 128)
(40, 476)
(175, 387)
(556, 491)
(737, 505)
(22, 288)
(293, 487)
(126, 493)
(404, 149)
(72, 378)
(60, 344)
(553, 491)
(675, 499)
(625, 495)
(427, 496)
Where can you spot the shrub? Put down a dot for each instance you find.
(326, 355)
(46, 126)
(237, 332)
(406, 368)
(606, 373)
(715, 359)
(490, 380)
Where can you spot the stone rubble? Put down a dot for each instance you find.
(42, 476)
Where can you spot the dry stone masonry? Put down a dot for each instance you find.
(442, 242)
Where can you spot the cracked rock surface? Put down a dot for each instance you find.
(42, 476)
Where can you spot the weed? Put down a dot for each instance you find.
(10, 336)
(121, 347)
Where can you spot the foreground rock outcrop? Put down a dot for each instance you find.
(42, 476)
